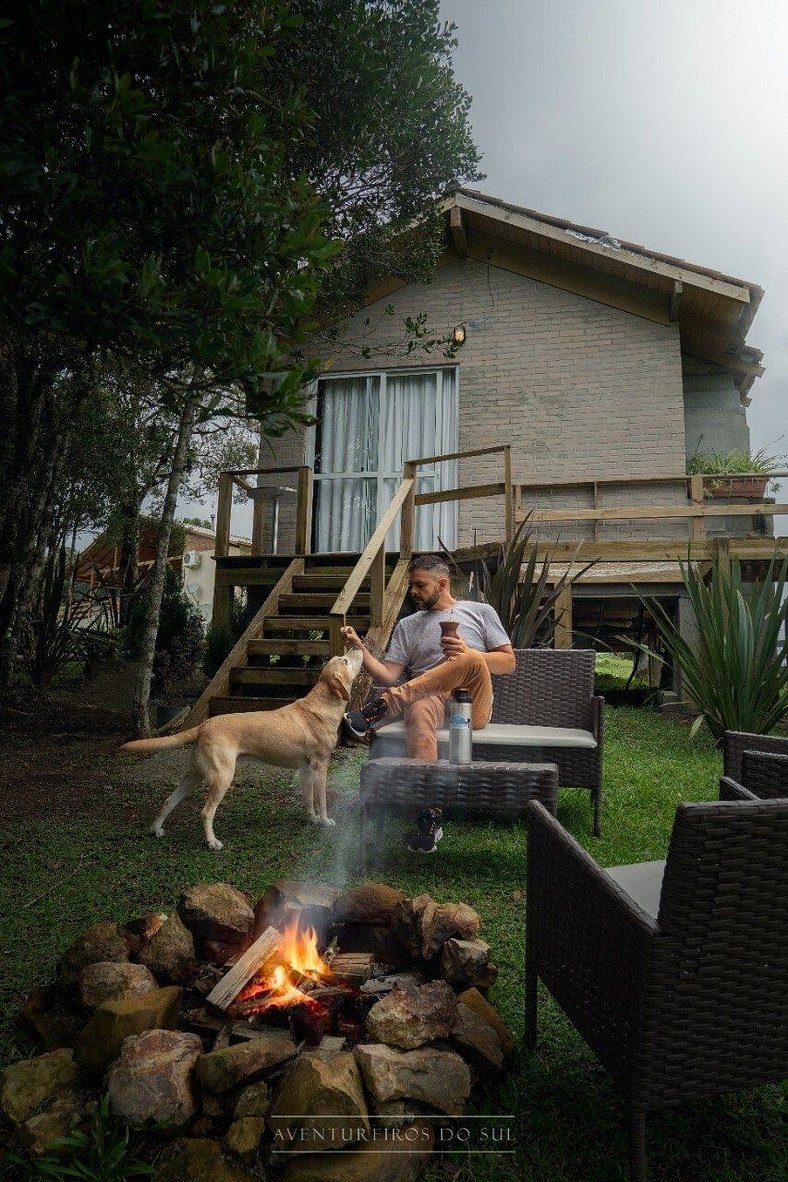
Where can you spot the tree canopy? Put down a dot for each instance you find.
(185, 183)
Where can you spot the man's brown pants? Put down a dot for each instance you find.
(422, 700)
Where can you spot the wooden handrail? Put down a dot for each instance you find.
(655, 512)
(219, 683)
(371, 560)
(459, 455)
(224, 507)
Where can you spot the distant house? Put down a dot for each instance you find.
(594, 358)
(99, 564)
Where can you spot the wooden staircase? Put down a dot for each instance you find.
(282, 661)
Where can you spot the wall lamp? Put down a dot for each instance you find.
(458, 334)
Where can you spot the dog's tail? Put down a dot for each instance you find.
(143, 746)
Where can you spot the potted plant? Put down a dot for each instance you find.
(735, 473)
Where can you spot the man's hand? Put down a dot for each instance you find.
(454, 646)
(351, 638)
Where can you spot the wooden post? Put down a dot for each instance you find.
(596, 506)
(222, 594)
(509, 492)
(563, 617)
(724, 555)
(377, 586)
(303, 538)
(407, 529)
(224, 509)
(697, 524)
(258, 524)
(336, 645)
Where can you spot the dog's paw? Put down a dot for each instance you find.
(215, 844)
(328, 822)
(157, 831)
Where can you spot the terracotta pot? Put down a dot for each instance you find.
(725, 487)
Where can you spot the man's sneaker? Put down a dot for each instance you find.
(429, 832)
(357, 723)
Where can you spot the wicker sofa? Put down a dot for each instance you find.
(674, 973)
(544, 712)
(757, 762)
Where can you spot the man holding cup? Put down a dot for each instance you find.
(445, 644)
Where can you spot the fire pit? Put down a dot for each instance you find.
(317, 1019)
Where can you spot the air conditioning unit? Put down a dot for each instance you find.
(191, 559)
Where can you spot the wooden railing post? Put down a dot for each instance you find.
(258, 524)
(509, 492)
(224, 509)
(222, 593)
(563, 617)
(336, 643)
(303, 538)
(697, 524)
(407, 529)
(377, 587)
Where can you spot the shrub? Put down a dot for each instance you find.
(219, 641)
(737, 675)
(180, 637)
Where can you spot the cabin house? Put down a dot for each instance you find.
(576, 375)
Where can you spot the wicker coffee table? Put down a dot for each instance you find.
(480, 788)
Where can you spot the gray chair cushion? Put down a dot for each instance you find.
(495, 734)
(642, 881)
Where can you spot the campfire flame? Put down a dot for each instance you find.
(298, 963)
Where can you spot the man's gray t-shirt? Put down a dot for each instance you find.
(416, 640)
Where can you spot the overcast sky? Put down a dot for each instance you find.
(664, 123)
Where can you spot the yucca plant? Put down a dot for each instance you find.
(736, 674)
(519, 589)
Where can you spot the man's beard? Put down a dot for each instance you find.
(428, 604)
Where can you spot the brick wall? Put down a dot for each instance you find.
(578, 388)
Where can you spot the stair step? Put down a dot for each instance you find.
(308, 623)
(287, 648)
(270, 562)
(313, 601)
(272, 675)
(321, 582)
(237, 705)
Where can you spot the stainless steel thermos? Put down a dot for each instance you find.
(460, 729)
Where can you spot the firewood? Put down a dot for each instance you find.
(222, 1039)
(233, 982)
(354, 967)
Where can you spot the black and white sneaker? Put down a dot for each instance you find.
(428, 834)
(358, 723)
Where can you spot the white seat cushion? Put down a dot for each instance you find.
(506, 734)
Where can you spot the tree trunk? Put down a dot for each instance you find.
(38, 407)
(129, 552)
(140, 718)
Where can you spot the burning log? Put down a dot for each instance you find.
(250, 963)
(353, 967)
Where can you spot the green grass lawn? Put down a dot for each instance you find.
(57, 877)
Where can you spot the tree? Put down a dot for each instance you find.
(148, 215)
(388, 134)
(170, 172)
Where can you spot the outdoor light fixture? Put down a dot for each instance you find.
(458, 334)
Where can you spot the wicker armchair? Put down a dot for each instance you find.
(549, 689)
(675, 973)
(759, 763)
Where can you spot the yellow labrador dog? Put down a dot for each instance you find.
(301, 735)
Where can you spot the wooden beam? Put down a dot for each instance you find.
(458, 234)
(469, 493)
(219, 684)
(696, 496)
(458, 455)
(655, 512)
(583, 281)
(407, 526)
(508, 493)
(562, 609)
(663, 550)
(303, 538)
(675, 300)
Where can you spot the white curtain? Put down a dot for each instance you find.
(369, 426)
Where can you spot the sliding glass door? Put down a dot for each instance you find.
(368, 426)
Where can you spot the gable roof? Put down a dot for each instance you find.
(713, 311)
